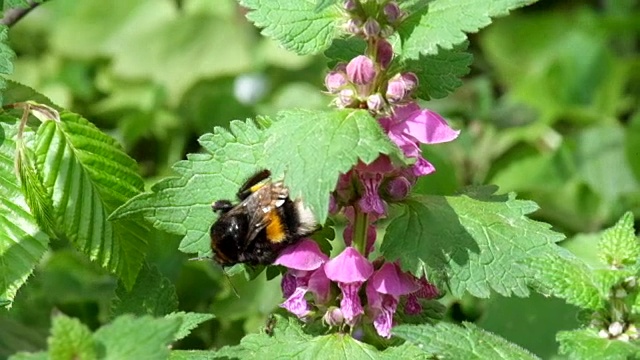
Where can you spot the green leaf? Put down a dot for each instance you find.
(88, 175)
(70, 339)
(136, 338)
(568, 278)
(10, 4)
(619, 245)
(586, 344)
(451, 341)
(195, 355)
(6, 58)
(189, 321)
(323, 4)
(164, 46)
(439, 74)
(295, 23)
(152, 294)
(289, 341)
(535, 331)
(30, 356)
(22, 244)
(603, 164)
(312, 148)
(475, 241)
(182, 205)
(443, 23)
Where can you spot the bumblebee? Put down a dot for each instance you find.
(264, 222)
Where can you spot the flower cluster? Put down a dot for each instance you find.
(350, 289)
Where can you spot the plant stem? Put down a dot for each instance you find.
(360, 226)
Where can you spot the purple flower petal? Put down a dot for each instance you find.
(297, 304)
(350, 304)
(389, 279)
(288, 285)
(383, 322)
(371, 201)
(348, 267)
(412, 306)
(303, 255)
(320, 285)
(422, 167)
(428, 127)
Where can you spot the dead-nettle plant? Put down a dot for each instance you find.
(374, 291)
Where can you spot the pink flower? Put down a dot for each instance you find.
(383, 293)
(410, 125)
(350, 270)
(303, 260)
(304, 255)
(297, 304)
(371, 202)
(347, 234)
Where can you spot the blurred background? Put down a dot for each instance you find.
(550, 110)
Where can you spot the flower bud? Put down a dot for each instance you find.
(354, 26)
(350, 5)
(346, 98)
(361, 70)
(333, 317)
(392, 12)
(335, 81)
(375, 102)
(384, 53)
(371, 28)
(398, 188)
(400, 87)
(616, 328)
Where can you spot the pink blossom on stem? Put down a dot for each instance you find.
(410, 125)
(350, 270)
(383, 293)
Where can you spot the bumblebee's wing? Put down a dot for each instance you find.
(259, 205)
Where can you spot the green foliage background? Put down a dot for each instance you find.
(550, 110)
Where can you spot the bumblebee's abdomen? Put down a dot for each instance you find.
(275, 231)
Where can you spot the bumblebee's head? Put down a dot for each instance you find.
(228, 235)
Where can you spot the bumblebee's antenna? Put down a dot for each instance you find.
(226, 276)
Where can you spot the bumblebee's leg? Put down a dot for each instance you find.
(245, 189)
(221, 206)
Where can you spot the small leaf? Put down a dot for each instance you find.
(70, 339)
(586, 344)
(451, 341)
(568, 278)
(6, 58)
(312, 148)
(475, 241)
(88, 175)
(182, 205)
(439, 74)
(136, 338)
(22, 243)
(323, 4)
(152, 294)
(443, 23)
(619, 245)
(289, 341)
(189, 322)
(295, 23)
